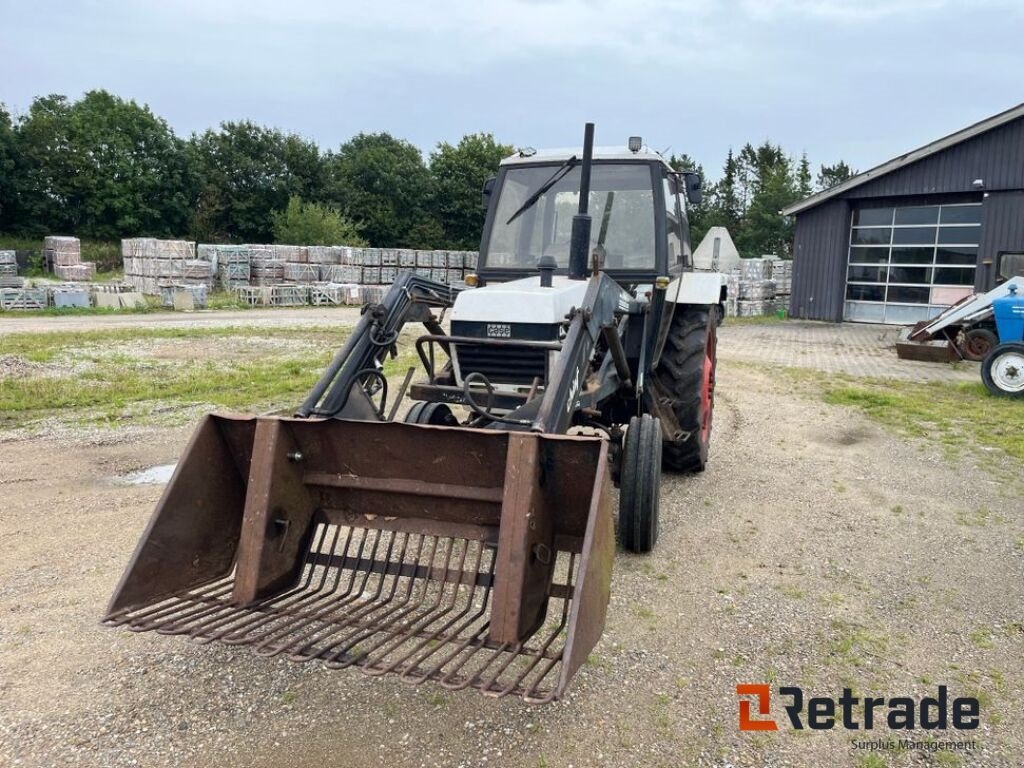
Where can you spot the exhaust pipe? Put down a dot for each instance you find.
(579, 243)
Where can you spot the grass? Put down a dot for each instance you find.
(109, 380)
(957, 414)
(851, 643)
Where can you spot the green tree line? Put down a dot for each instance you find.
(104, 168)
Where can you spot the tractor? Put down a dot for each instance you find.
(468, 539)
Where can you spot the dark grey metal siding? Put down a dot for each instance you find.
(819, 262)
(997, 157)
(822, 233)
(1002, 229)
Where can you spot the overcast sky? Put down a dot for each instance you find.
(862, 80)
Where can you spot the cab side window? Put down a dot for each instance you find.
(674, 221)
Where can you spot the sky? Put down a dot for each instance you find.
(861, 81)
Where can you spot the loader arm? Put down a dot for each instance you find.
(340, 392)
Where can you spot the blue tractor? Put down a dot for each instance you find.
(1002, 370)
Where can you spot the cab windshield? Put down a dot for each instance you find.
(621, 207)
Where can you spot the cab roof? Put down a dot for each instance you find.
(528, 156)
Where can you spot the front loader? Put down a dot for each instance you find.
(470, 542)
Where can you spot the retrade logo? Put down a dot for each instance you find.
(763, 695)
(822, 713)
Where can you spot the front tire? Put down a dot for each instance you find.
(686, 374)
(640, 484)
(1002, 370)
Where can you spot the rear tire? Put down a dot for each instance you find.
(687, 375)
(640, 484)
(1003, 370)
(978, 343)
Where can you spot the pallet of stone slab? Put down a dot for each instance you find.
(470, 259)
(439, 259)
(63, 251)
(388, 275)
(289, 295)
(388, 257)
(327, 294)
(196, 269)
(755, 308)
(406, 258)
(9, 257)
(324, 254)
(424, 259)
(83, 272)
(344, 273)
(371, 276)
(70, 296)
(439, 275)
(354, 295)
(11, 281)
(453, 276)
(198, 293)
(301, 273)
(453, 260)
(756, 290)
(296, 254)
(370, 257)
(372, 294)
(8, 270)
(23, 298)
(253, 295)
(267, 268)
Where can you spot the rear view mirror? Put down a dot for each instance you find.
(694, 190)
(488, 187)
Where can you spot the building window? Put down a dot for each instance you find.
(909, 263)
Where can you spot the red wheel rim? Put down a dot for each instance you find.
(707, 395)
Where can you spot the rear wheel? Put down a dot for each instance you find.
(978, 342)
(1003, 370)
(438, 414)
(686, 374)
(640, 484)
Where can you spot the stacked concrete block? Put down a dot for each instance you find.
(301, 273)
(151, 264)
(9, 270)
(64, 254)
(752, 288)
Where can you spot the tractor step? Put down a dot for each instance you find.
(492, 574)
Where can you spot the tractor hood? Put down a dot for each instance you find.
(520, 301)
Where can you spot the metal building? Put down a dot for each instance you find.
(904, 240)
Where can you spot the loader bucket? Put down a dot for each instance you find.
(473, 558)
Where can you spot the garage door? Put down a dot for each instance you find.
(909, 263)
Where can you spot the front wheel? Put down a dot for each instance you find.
(686, 374)
(1002, 370)
(640, 484)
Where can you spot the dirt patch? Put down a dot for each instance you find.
(817, 549)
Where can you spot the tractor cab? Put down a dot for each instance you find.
(637, 203)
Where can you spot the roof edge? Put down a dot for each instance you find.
(975, 129)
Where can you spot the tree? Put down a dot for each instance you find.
(831, 175)
(8, 177)
(803, 177)
(314, 224)
(698, 214)
(382, 184)
(458, 174)
(246, 173)
(100, 167)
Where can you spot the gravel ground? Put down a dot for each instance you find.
(817, 550)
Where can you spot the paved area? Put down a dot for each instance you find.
(850, 348)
